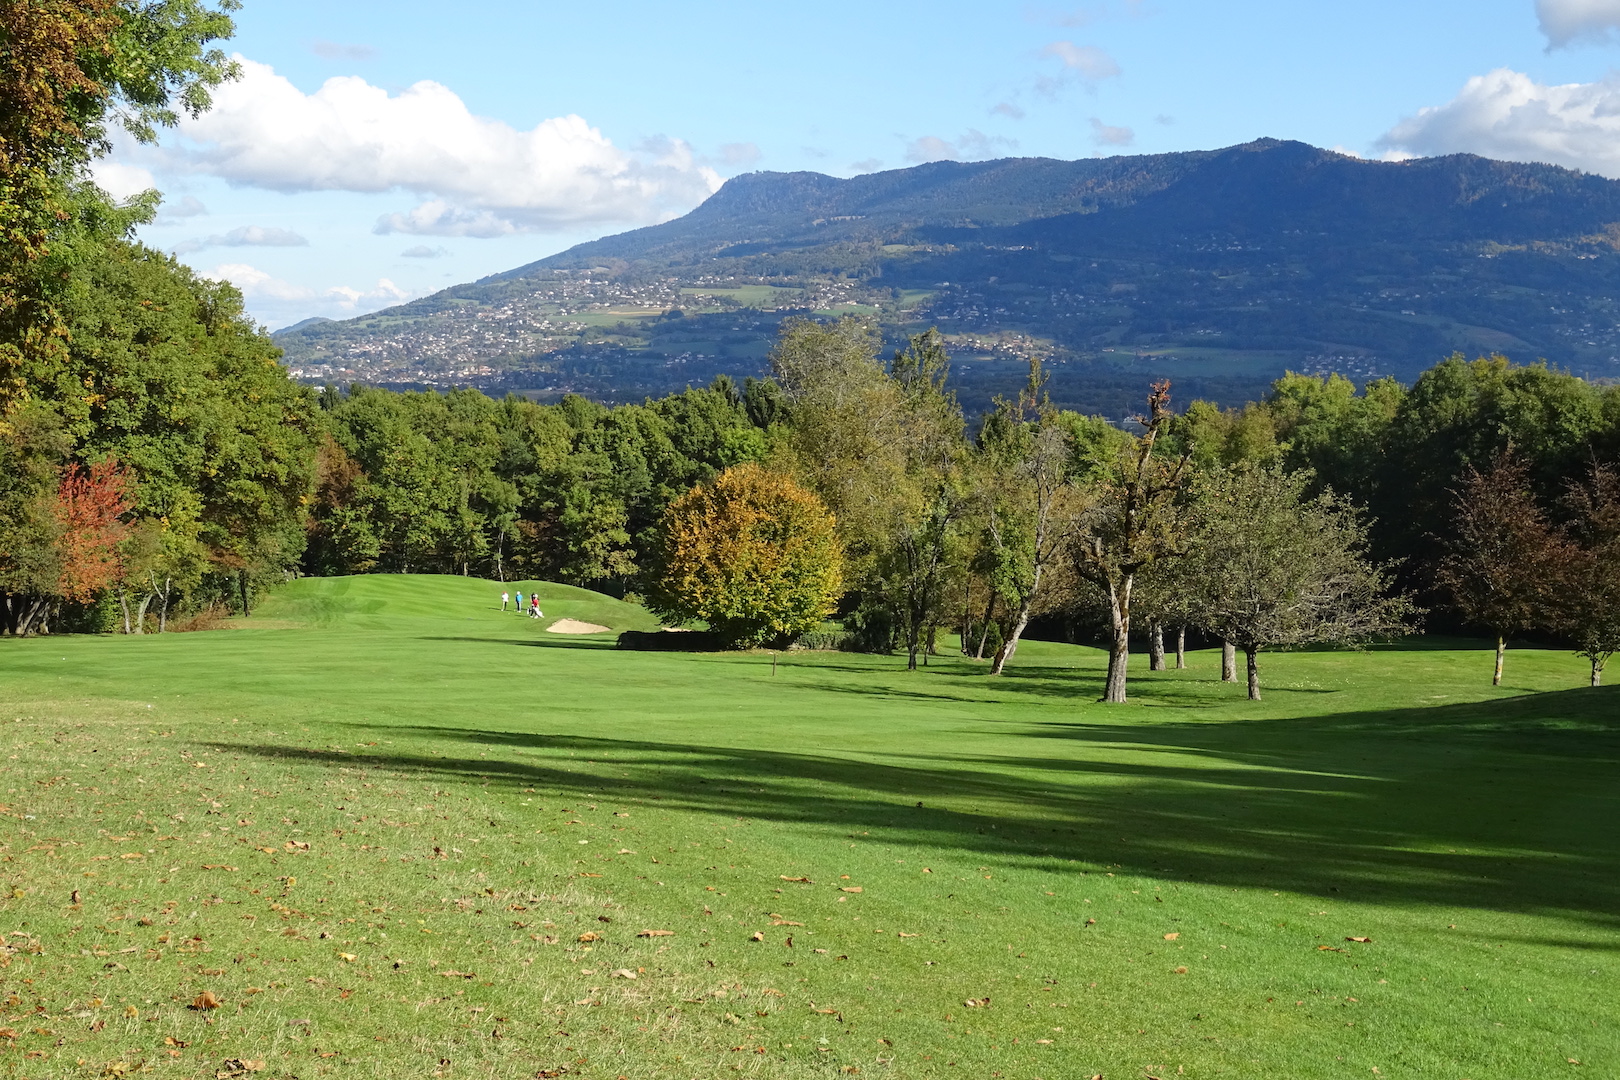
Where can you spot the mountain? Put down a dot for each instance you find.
(1219, 269)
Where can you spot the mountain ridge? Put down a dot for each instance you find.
(1218, 267)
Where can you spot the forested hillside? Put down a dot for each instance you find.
(1220, 269)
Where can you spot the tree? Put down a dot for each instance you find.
(1282, 569)
(1502, 558)
(1032, 506)
(65, 65)
(751, 553)
(1136, 518)
(1588, 599)
(90, 507)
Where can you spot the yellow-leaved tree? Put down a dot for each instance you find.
(751, 553)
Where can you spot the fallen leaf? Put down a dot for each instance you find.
(1091, 922)
(205, 1001)
(622, 973)
(268, 850)
(1172, 937)
(170, 1040)
(756, 936)
(1360, 940)
(232, 1067)
(590, 935)
(785, 922)
(977, 1003)
(347, 957)
(454, 974)
(296, 845)
(1328, 948)
(656, 933)
(1181, 971)
(799, 880)
(625, 851)
(904, 934)
(849, 888)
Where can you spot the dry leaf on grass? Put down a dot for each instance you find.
(454, 974)
(590, 935)
(756, 936)
(977, 1003)
(797, 880)
(785, 922)
(1328, 948)
(1181, 971)
(205, 1001)
(1091, 922)
(622, 973)
(1360, 940)
(656, 933)
(904, 934)
(1172, 937)
(296, 845)
(269, 850)
(233, 1067)
(170, 1040)
(347, 957)
(849, 888)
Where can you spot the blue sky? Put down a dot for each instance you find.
(376, 152)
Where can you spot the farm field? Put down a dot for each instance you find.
(383, 829)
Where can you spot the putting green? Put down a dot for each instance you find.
(391, 830)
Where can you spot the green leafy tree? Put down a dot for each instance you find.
(1588, 599)
(1281, 568)
(1136, 518)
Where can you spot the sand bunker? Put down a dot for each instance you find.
(574, 626)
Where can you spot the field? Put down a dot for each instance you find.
(382, 829)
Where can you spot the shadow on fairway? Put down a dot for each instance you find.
(1507, 805)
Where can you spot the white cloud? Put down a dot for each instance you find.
(476, 176)
(422, 251)
(121, 180)
(246, 236)
(1107, 135)
(1506, 114)
(1007, 109)
(189, 206)
(1086, 62)
(973, 146)
(1567, 21)
(930, 148)
(258, 285)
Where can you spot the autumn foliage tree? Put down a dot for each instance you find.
(1504, 559)
(1588, 600)
(90, 507)
(751, 553)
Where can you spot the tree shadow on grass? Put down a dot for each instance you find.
(1504, 805)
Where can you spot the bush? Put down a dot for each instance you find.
(752, 554)
(825, 641)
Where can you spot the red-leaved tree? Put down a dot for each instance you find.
(90, 506)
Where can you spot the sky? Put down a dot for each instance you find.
(375, 152)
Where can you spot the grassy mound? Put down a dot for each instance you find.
(376, 601)
(418, 837)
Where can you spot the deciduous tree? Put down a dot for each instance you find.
(751, 553)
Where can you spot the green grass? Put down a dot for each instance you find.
(476, 794)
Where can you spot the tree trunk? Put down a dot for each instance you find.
(140, 614)
(1119, 656)
(984, 628)
(1156, 648)
(163, 606)
(242, 583)
(1501, 650)
(1010, 645)
(123, 605)
(929, 645)
(1253, 656)
(1228, 662)
(1597, 673)
(1181, 649)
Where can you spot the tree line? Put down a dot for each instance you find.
(157, 461)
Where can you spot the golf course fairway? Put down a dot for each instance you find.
(384, 829)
